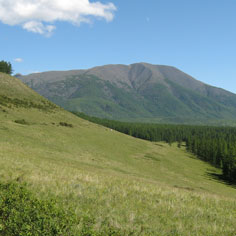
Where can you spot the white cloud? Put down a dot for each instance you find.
(38, 27)
(18, 60)
(39, 16)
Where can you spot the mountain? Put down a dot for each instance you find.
(138, 92)
(115, 184)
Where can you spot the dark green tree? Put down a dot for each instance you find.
(6, 67)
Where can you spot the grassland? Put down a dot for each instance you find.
(138, 187)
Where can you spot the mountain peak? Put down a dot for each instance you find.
(136, 92)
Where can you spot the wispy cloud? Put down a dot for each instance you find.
(38, 27)
(18, 59)
(39, 16)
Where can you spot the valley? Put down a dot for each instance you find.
(114, 182)
(117, 118)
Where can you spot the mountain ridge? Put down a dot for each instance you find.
(139, 91)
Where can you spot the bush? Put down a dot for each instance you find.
(43, 105)
(22, 122)
(23, 214)
(65, 124)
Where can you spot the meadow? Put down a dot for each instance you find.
(115, 184)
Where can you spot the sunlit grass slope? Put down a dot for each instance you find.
(119, 181)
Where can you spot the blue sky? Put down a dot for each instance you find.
(198, 37)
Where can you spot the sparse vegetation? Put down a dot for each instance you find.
(15, 102)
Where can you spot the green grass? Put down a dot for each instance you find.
(118, 181)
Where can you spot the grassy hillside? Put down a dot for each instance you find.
(138, 92)
(114, 180)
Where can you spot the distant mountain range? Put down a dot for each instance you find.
(137, 92)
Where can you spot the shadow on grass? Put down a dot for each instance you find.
(212, 173)
(192, 156)
(220, 178)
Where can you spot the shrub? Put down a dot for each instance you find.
(22, 122)
(22, 213)
(43, 105)
(65, 124)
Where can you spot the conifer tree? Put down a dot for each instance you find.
(6, 67)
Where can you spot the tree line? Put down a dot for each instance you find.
(215, 145)
(6, 67)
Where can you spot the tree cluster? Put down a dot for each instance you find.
(6, 67)
(216, 145)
